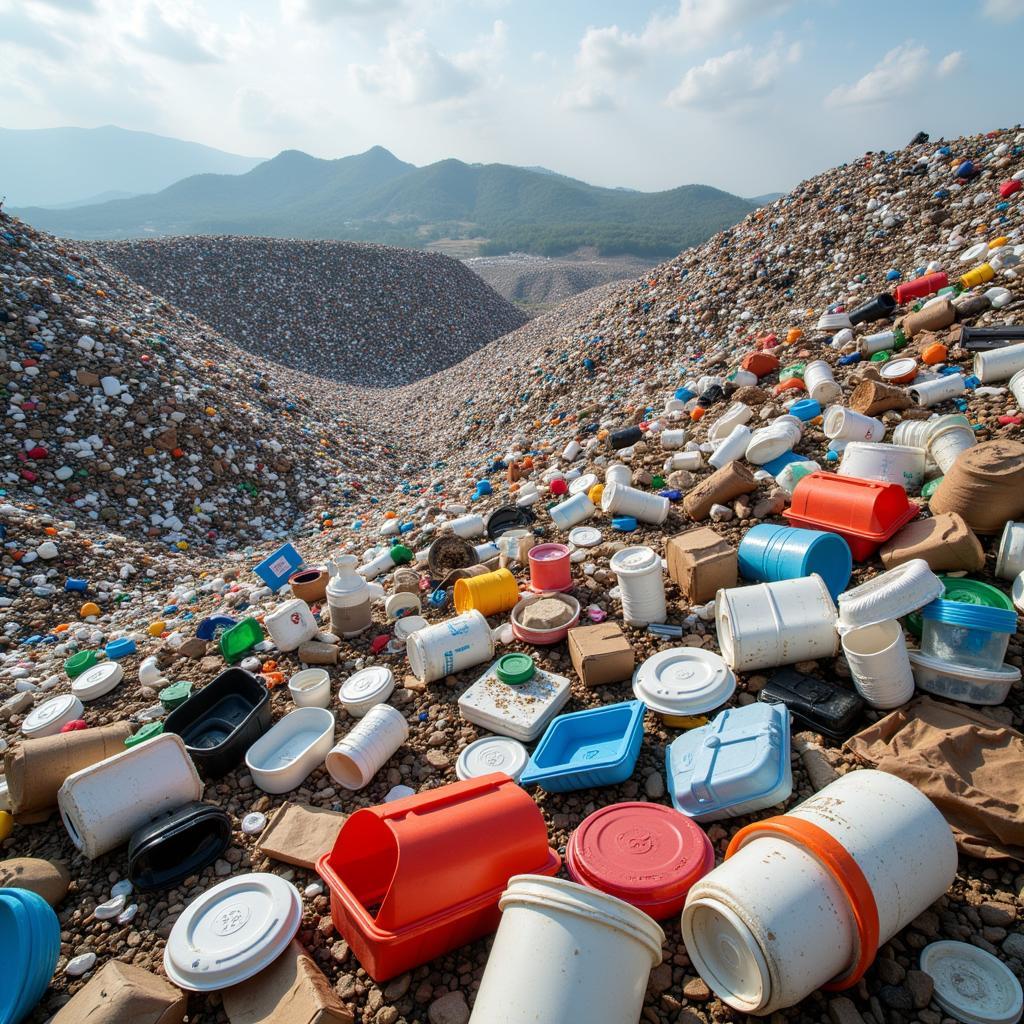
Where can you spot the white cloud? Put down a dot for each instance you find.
(174, 40)
(588, 99)
(411, 70)
(323, 11)
(256, 112)
(950, 63)
(1003, 10)
(893, 76)
(732, 81)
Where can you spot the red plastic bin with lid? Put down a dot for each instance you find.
(415, 878)
(648, 855)
(865, 513)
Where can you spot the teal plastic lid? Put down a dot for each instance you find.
(515, 669)
(175, 694)
(147, 732)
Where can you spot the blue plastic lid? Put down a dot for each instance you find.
(805, 409)
(624, 524)
(973, 616)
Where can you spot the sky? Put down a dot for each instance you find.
(747, 95)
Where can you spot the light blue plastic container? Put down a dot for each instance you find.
(597, 747)
(736, 764)
(967, 634)
(778, 464)
(30, 934)
(770, 553)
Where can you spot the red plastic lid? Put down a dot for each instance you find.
(548, 553)
(643, 853)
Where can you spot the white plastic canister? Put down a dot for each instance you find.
(820, 383)
(842, 424)
(772, 924)
(998, 363)
(779, 623)
(348, 598)
(913, 433)
(617, 499)
(683, 460)
(467, 527)
(358, 756)
(641, 585)
(732, 448)
(291, 624)
(947, 442)
(768, 443)
(617, 473)
(940, 389)
(570, 513)
(888, 463)
(673, 439)
(565, 952)
(450, 646)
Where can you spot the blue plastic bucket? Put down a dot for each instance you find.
(769, 553)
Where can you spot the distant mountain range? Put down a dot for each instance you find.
(375, 197)
(65, 166)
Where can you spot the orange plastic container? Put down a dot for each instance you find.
(865, 513)
(415, 878)
(760, 363)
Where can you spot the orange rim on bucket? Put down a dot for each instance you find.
(846, 872)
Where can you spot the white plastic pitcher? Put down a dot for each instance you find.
(879, 663)
(771, 924)
(732, 448)
(450, 646)
(565, 953)
(357, 757)
(617, 499)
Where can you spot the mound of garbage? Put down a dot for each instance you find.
(359, 314)
(672, 640)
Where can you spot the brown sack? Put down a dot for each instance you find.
(870, 398)
(119, 993)
(985, 485)
(36, 769)
(944, 541)
(970, 766)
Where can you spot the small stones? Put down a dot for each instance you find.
(920, 985)
(113, 907)
(697, 990)
(313, 889)
(654, 786)
(128, 914)
(449, 1009)
(80, 965)
(254, 823)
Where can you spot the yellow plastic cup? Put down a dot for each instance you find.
(489, 594)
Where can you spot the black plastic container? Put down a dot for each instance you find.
(814, 703)
(878, 308)
(176, 845)
(625, 438)
(508, 517)
(220, 722)
(984, 339)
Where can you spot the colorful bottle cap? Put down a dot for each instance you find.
(515, 669)
(175, 694)
(147, 732)
(78, 663)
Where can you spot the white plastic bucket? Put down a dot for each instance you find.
(879, 664)
(998, 363)
(841, 424)
(821, 384)
(673, 439)
(310, 688)
(768, 443)
(565, 952)
(888, 463)
(1010, 560)
(571, 513)
(736, 414)
(450, 646)
(1017, 388)
(771, 924)
(618, 473)
(683, 460)
(617, 499)
(732, 448)
(291, 624)
(467, 527)
(779, 623)
(641, 585)
(358, 756)
(102, 805)
(940, 389)
(947, 442)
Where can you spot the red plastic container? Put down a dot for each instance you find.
(865, 513)
(415, 878)
(646, 854)
(1008, 188)
(550, 568)
(920, 287)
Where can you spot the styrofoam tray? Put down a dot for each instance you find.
(522, 711)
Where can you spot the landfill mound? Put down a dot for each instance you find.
(643, 376)
(349, 312)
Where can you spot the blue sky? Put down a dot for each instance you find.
(746, 95)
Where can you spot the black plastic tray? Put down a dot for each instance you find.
(176, 845)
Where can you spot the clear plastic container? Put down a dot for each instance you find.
(965, 634)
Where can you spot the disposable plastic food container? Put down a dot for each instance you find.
(414, 878)
(865, 513)
(596, 747)
(962, 682)
(282, 758)
(735, 765)
(966, 634)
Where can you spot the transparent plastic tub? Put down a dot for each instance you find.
(966, 635)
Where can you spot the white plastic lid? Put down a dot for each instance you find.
(232, 932)
(974, 252)
(1017, 592)
(972, 985)
(583, 483)
(492, 754)
(684, 681)
(585, 536)
(367, 687)
(409, 624)
(96, 681)
(47, 719)
(896, 368)
(634, 561)
(889, 595)
(401, 602)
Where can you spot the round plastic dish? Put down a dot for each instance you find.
(362, 690)
(492, 754)
(97, 681)
(684, 681)
(543, 637)
(645, 854)
(890, 595)
(232, 932)
(966, 591)
(971, 985)
(47, 719)
(962, 682)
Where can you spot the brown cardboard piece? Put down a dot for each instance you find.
(944, 541)
(601, 654)
(299, 834)
(723, 485)
(119, 993)
(292, 990)
(701, 563)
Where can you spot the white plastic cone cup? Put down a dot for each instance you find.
(355, 759)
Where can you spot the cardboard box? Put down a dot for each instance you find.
(701, 563)
(601, 654)
(119, 993)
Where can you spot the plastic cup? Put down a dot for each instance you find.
(948, 442)
(842, 424)
(879, 664)
(1010, 560)
(310, 688)
(576, 510)
(642, 585)
(820, 383)
(357, 757)
(888, 463)
(489, 594)
(619, 500)
(550, 567)
(617, 473)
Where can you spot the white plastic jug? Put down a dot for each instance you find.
(291, 624)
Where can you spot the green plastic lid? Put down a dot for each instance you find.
(929, 488)
(515, 669)
(793, 370)
(657, 482)
(78, 663)
(400, 554)
(175, 694)
(966, 591)
(881, 357)
(147, 732)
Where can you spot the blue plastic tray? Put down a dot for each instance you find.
(275, 569)
(598, 747)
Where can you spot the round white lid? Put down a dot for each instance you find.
(369, 685)
(898, 368)
(96, 681)
(46, 719)
(232, 932)
(972, 985)
(635, 560)
(585, 536)
(409, 624)
(684, 681)
(492, 754)
(401, 602)
(583, 483)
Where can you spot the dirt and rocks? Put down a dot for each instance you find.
(363, 460)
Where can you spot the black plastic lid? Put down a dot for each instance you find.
(178, 844)
(508, 517)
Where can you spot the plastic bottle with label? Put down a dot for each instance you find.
(348, 597)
